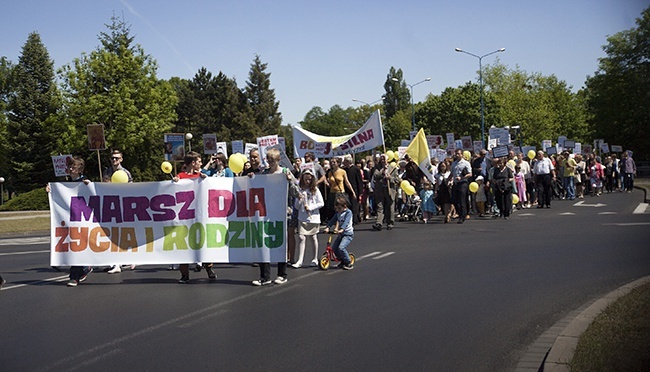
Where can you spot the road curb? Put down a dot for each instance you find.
(561, 353)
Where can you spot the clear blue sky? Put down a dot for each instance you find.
(328, 52)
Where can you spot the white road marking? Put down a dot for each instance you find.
(383, 255)
(640, 209)
(19, 253)
(567, 214)
(607, 213)
(628, 224)
(368, 255)
(582, 204)
(55, 279)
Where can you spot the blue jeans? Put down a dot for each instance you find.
(339, 246)
(569, 187)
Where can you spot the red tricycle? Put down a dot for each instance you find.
(328, 257)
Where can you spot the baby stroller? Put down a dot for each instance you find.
(412, 209)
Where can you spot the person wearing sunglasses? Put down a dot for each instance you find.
(116, 164)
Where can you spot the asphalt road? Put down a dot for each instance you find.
(443, 297)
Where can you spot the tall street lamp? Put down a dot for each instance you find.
(2, 190)
(412, 103)
(480, 71)
(188, 137)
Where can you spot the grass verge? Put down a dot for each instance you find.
(619, 338)
(24, 225)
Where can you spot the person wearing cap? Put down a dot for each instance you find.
(308, 203)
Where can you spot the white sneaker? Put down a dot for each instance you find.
(261, 282)
(295, 265)
(115, 269)
(314, 263)
(280, 280)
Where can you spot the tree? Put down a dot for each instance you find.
(261, 99)
(397, 95)
(31, 106)
(457, 110)
(542, 106)
(6, 91)
(116, 85)
(617, 95)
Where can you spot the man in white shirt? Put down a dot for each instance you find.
(544, 174)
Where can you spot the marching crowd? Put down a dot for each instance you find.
(341, 192)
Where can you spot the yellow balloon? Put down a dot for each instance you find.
(467, 155)
(120, 176)
(404, 185)
(512, 163)
(393, 163)
(531, 154)
(166, 167)
(515, 199)
(410, 190)
(236, 163)
(473, 187)
(390, 155)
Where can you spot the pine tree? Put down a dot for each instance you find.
(261, 99)
(397, 95)
(31, 107)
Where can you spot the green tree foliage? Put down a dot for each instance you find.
(6, 90)
(31, 104)
(396, 129)
(261, 99)
(543, 106)
(336, 122)
(618, 96)
(116, 85)
(398, 96)
(458, 111)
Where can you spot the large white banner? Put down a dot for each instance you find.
(216, 219)
(369, 136)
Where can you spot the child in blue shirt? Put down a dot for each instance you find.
(345, 231)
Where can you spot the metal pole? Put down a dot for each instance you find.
(412, 109)
(480, 69)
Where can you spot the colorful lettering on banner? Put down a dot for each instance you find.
(210, 220)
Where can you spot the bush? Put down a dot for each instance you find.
(35, 200)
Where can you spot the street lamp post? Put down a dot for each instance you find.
(366, 103)
(188, 137)
(480, 71)
(412, 102)
(2, 190)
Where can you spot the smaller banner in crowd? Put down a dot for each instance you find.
(369, 136)
(174, 146)
(61, 165)
(216, 219)
(96, 139)
(209, 144)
